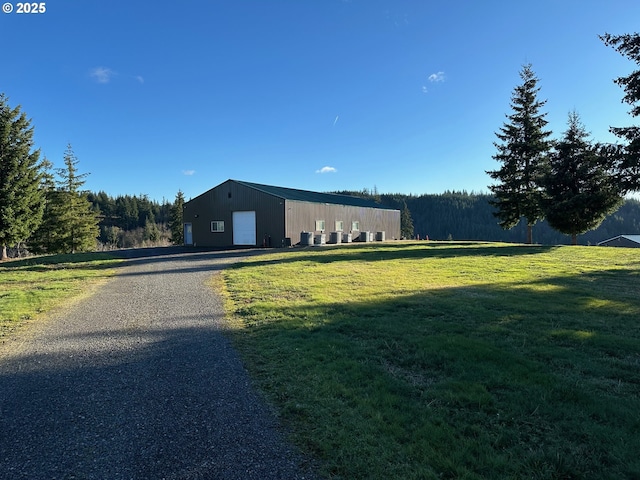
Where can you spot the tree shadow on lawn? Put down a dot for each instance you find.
(134, 256)
(537, 380)
(366, 252)
(374, 252)
(54, 262)
(189, 262)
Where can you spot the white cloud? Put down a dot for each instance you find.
(425, 89)
(102, 74)
(188, 172)
(327, 170)
(437, 77)
(105, 75)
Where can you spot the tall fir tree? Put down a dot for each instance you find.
(43, 239)
(628, 156)
(21, 198)
(150, 232)
(581, 187)
(406, 222)
(76, 224)
(176, 222)
(523, 149)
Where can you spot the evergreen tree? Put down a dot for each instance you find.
(164, 212)
(21, 198)
(176, 223)
(151, 232)
(581, 189)
(43, 239)
(406, 222)
(109, 236)
(629, 156)
(127, 210)
(139, 220)
(145, 210)
(76, 228)
(522, 151)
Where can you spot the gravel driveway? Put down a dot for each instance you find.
(137, 382)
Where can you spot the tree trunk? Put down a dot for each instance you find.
(529, 234)
(574, 239)
(4, 253)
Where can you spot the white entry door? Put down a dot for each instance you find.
(188, 234)
(244, 228)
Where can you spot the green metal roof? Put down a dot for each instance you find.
(314, 197)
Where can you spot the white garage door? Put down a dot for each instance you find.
(244, 228)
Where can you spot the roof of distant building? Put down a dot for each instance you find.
(632, 238)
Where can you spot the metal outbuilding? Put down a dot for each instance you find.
(237, 213)
(631, 241)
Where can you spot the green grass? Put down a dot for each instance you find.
(33, 286)
(448, 360)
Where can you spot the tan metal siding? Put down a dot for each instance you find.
(301, 217)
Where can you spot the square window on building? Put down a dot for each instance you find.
(217, 226)
(320, 225)
(339, 225)
(355, 225)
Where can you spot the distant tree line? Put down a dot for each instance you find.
(130, 220)
(127, 221)
(470, 216)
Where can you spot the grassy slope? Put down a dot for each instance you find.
(33, 286)
(449, 360)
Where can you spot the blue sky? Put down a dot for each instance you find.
(403, 95)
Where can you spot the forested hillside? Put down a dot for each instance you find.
(463, 216)
(468, 216)
(130, 220)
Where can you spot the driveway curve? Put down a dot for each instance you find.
(138, 382)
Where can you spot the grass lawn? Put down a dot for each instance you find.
(35, 285)
(448, 360)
